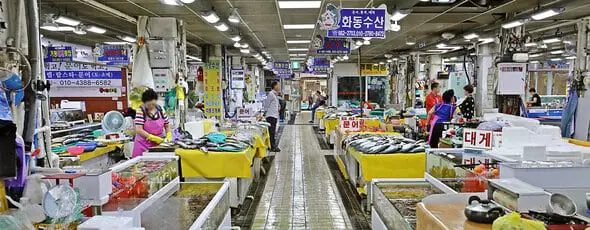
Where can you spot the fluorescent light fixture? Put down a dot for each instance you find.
(234, 17)
(115, 43)
(389, 61)
(264, 52)
(367, 42)
(129, 39)
(535, 55)
(298, 49)
(245, 45)
(293, 55)
(441, 51)
(551, 40)
(513, 24)
(557, 52)
(221, 27)
(555, 59)
(298, 26)
(298, 41)
(61, 28)
(446, 60)
(395, 59)
(570, 57)
(79, 31)
(211, 17)
(472, 54)
(300, 4)
(193, 58)
(535, 62)
(376, 64)
(486, 40)
(453, 58)
(256, 55)
(471, 36)
(381, 63)
(530, 44)
(236, 38)
(345, 57)
(95, 29)
(67, 21)
(399, 15)
(543, 46)
(170, 2)
(359, 42)
(547, 13)
(187, 1)
(410, 43)
(237, 45)
(244, 51)
(441, 45)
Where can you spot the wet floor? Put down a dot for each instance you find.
(300, 192)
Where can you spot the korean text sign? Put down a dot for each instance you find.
(213, 94)
(335, 46)
(113, 53)
(59, 54)
(351, 123)
(477, 139)
(360, 23)
(83, 80)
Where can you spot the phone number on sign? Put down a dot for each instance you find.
(84, 82)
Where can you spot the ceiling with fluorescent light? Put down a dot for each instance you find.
(263, 21)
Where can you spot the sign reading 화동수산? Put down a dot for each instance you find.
(360, 23)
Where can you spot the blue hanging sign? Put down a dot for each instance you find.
(360, 23)
(113, 54)
(282, 69)
(335, 46)
(281, 65)
(59, 54)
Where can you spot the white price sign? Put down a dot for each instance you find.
(245, 113)
(477, 139)
(351, 123)
(238, 79)
(83, 80)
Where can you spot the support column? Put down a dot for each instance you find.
(582, 122)
(549, 83)
(435, 65)
(484, 91)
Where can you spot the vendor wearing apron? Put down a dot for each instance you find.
(150, 122)
(442, 112)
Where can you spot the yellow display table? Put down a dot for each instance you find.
(98, 152)
(319, 114)
(261, 143)
(365, 167)
(196, 163)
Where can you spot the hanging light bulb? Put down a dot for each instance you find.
(234, 17)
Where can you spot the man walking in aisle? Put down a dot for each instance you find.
(271, 106)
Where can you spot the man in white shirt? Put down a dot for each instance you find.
(271, 106)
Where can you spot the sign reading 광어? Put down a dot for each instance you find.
(360, 23)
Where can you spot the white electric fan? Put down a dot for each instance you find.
(60, 201)
(113, 124)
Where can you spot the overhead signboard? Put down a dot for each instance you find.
(238, 78)
(282, 69)
(83, 80)
(360, 23)
(59, 54)
(113, 54)
(320, 65)
(374, 69)
(332, 46)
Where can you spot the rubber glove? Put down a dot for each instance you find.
(168, 137)
(155, 139)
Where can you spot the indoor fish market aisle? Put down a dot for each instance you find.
(300, 192)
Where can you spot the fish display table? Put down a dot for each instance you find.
(93, 158)
(362, 167)
(332, 125)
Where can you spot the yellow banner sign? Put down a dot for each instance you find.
(374, 69)
(213, 92)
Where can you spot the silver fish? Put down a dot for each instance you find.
(407, 147)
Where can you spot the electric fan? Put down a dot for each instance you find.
(60, 201)
(113, 124)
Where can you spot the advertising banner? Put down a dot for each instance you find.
(59, 54)
(282, 69)
(212, 92)
(83, 80)
(238, 78)
(334, 46)
(360, 23)
(113, 54)
(374, 69)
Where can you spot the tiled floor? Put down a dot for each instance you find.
(300, 192)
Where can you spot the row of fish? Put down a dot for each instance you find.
(383, 144)
(230, 145)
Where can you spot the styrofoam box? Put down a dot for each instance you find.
(95, 187)
(107, 222)
(534, 153)
(548, 177)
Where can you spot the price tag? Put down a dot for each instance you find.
(477, 139)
